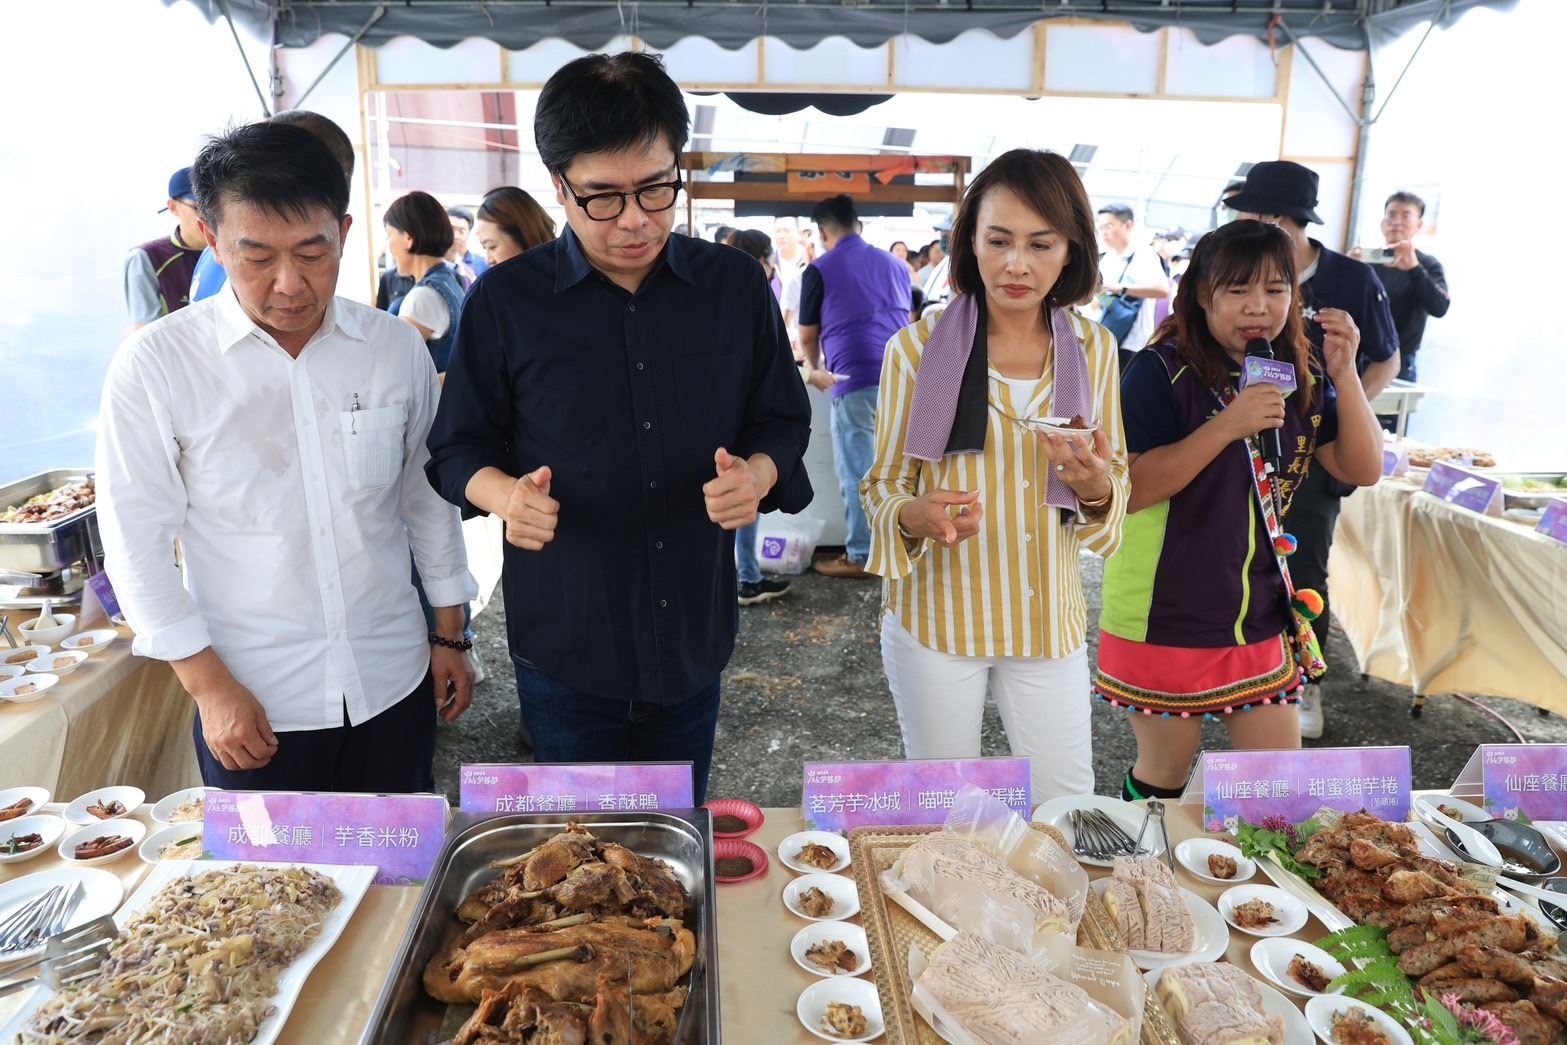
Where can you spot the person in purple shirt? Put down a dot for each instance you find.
(853, 299)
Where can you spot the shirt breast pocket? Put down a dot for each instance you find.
(372, 446)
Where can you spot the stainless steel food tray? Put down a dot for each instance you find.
(405, 1015)
(1532, 498)
(50, 546)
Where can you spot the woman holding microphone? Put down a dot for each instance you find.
(1200, 618)
(977, 516)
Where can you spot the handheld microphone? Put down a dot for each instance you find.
(1261, 367)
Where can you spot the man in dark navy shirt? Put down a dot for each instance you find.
(1416, 285)
(624, 399)
(1285, 194)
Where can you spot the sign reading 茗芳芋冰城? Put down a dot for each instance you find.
(576, 788)
(1293, 784)
(1518, 781)
(399, 835)
(838, 796)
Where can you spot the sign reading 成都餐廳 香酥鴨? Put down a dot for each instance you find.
(576, 788)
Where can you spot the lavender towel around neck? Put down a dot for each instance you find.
(940, 376)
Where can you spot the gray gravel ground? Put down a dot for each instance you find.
(806, 684)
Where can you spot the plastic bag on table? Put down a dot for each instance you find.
(975, 992)
(786, 543)
(1110, 978)
(990, 825)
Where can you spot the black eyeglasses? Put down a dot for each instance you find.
(607, 206)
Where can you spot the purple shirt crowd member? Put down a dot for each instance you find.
(1283, 193)
(1197, 621)
(158, 272)
(624, 399)
(853, 299)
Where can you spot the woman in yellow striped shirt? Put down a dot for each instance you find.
(978, 514)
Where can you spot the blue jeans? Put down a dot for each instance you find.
(568, 725)
(745, 555)
(853, 450)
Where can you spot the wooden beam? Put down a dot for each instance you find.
(1282, 74)
(772, 192)
(1164, 61)
(1041, 43)
(828, 88)
(364, 64)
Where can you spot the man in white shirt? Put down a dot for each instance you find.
(278, 433)
(1129, 272)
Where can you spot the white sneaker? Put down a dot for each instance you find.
(1311, 712)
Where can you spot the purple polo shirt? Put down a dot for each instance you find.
(860, 296)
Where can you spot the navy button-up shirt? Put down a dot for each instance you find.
(626, 397)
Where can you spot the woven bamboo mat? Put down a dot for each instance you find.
(891, 930)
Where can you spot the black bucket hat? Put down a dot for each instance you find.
(1279, 187)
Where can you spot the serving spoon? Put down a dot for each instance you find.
(1479, 847)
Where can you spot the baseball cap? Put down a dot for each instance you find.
(180, 187)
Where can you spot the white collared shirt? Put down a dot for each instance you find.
(296, 488)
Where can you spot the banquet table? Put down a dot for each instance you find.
(758, 980)
(118, 718)
(1446, 600)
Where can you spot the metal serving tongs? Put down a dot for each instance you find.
(1155, 815)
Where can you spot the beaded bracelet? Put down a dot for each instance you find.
(458, 644)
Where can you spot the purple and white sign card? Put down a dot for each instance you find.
(1523, 782)
(1293, 784)
(399, 835)
(585, 787)
(1466, 489)
(838, 796)
(1553, 522)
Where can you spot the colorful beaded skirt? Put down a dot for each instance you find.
(1177, 682)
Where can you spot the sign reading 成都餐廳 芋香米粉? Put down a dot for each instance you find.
(838, 796)
(1524, 782)
(576, 788)
(399, 835)
(1293, 784)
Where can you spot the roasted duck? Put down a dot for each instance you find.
(522, 1012)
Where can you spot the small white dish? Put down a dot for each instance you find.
(1272, 958)
(166, 806)
(1193, 854)
(1129, 817)
(20, 656)
(24, 689)
(11, 671)
(39, 796)
(850, 934)
(842, 891)
(119, 621)
(48, 827)
(1061, 426)
(1213, 936)
(135, 830)
(65, 623)
(152, 846)
(1321, 1010)
(1289, 913)
(812, 1006)
(1296, 1030)
(1460, 810)
(129, 797)
(59, 663)
(91, 641)
(795, 842)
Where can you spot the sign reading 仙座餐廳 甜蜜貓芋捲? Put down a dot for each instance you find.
(1522, 782)
(1293, 784)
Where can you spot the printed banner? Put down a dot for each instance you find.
(399, 835)
(1251, 785)
(578, 788)
(1525, 782)
(1554, 522)
(1464, 488)
(843, 795)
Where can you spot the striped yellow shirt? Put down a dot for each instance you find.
(1015, 588)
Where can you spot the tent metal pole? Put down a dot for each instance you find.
(1368, 94)
(375, 17)
(261, 97)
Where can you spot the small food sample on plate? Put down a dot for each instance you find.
(1254, 914)
(816, 903)
(22, 656)
(103, 845)
(16, 809)
(181, 849)
(21, 844)
(941, 864)
(1356, 1027)
(1217, 1004)
(1077, 422)
(732, 867)
(106, 810)
(846, 1021)
(728, 825)
(1146, 906)
(1423, 456)
(1448, 811)
(56, 504)
(191, 809)
(1308, 974)
(818, 856)
(1221, 866)
(201, 963)
(832, 956)
(26, 689)
(999, 996)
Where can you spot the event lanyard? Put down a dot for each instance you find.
(1269, 498)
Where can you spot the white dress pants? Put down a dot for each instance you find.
(1044, 705)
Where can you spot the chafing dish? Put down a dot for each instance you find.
(404, 1014)
(47, 547)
